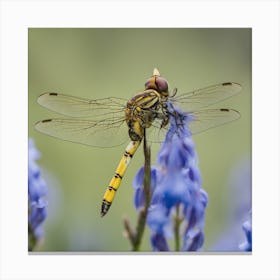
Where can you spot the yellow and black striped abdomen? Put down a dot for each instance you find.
(119, 173)
(141, 111)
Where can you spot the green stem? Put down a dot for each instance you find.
(147, 173)
(31, 239)
(177, 223)
(135, 236)
(147, 190)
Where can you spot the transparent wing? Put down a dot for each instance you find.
(155, 133)
(210, 118)
(80, 107)
(104, 133)
(204, 97)
(201, 120)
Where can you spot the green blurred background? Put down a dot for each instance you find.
(96, 63)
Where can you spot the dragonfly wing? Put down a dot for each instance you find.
(206, 96)
(200, 121)
(156, 133)
(105, 133)
(80, 107)
(206, 119)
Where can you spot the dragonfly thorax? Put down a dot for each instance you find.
(142, 110)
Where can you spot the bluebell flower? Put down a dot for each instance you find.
(238, 205)
(159, 242)
(158, 221)
(177, 196)
(37, 203)
(139, 196)
(247, 228)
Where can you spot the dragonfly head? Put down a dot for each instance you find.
(157, 83)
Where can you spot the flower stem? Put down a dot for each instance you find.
(147, 173)
(177, 222)
(129, 232)
(147, 190)
(135, 236)
(31, 239)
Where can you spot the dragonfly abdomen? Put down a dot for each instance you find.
(141, 111)
(117, 178)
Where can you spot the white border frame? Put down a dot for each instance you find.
(262, 16)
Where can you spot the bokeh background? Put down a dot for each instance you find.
(97, 63)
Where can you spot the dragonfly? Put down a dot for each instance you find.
(111, 121)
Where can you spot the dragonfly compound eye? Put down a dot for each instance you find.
(157, 83)
(162, 85)
(150, 83)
